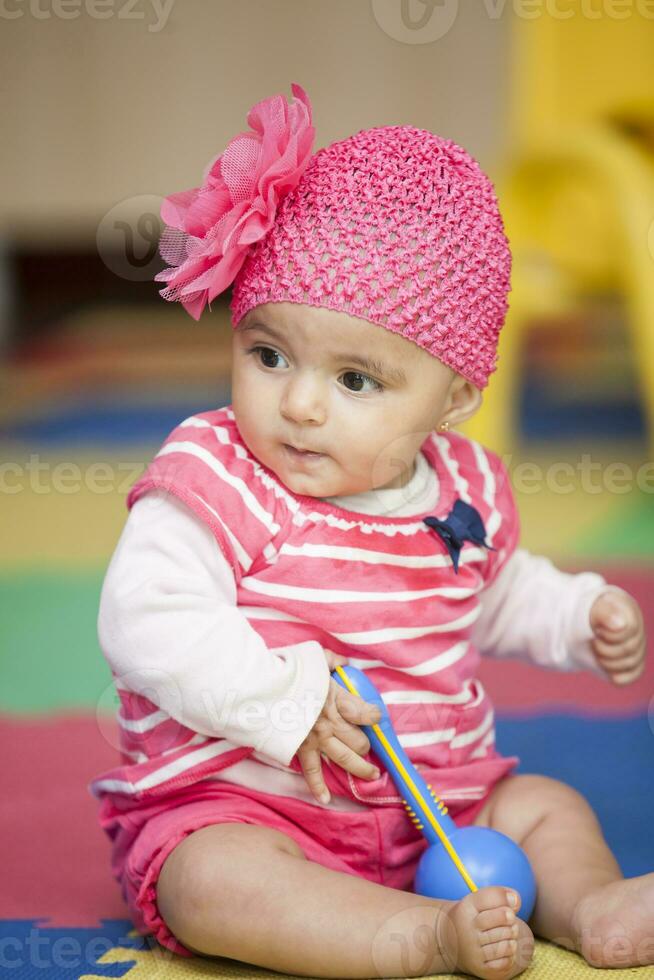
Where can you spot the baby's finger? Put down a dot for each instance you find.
(616, 649)
(628, 654)
(351, 735)
(612, 635)
(356, 710)
(620, 664)
(614, 668)
(334, 659)
(347, 759)
(311, 764)
(629, 676)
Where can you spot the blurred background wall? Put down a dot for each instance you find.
(99, 110)
(108, 105)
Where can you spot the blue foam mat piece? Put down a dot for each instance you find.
(610, 761)
(545, 415)
(31, 950)
(113, 424)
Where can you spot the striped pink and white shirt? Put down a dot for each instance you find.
(307, 574)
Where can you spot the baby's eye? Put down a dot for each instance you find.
(266, 355)
(355, 374)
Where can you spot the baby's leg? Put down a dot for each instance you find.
(248, 892)
(583, 901)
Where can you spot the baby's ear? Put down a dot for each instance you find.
(465, 400)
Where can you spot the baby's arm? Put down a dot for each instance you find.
(534, 612)
(169, 627)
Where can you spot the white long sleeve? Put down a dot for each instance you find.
(169, 626)
(536, 613)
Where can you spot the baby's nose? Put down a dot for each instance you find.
(304, 401)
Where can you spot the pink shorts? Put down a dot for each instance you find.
(379, 843)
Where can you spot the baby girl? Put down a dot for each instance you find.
(331, 515)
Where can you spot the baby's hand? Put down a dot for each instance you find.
(618, 636)
(336, 734)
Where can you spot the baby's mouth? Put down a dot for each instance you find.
(305, 454)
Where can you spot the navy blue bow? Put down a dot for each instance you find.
(463, 523)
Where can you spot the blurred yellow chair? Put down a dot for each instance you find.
(577, 195)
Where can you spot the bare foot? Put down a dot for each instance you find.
(614, 925)
(491, 942)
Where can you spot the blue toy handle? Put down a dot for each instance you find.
(418, 796)
(460, 859)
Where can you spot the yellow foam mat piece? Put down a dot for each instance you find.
(550, 962)
(68, 513)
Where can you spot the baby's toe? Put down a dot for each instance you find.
(496, 953)
(494, 898)
(497, 935)
(495, 918)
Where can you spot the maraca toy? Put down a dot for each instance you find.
(460, 859)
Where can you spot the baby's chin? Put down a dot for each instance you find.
(316, 485)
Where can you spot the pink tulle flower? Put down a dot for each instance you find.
(209, 229)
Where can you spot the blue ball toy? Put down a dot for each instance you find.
(460, 859)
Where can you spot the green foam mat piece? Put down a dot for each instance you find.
(50, 657)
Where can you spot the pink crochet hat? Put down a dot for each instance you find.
(394, 225)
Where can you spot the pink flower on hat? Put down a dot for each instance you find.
(209, 229)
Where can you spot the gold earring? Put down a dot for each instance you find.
(444, 426)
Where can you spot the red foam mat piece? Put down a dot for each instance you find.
(55, 855)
